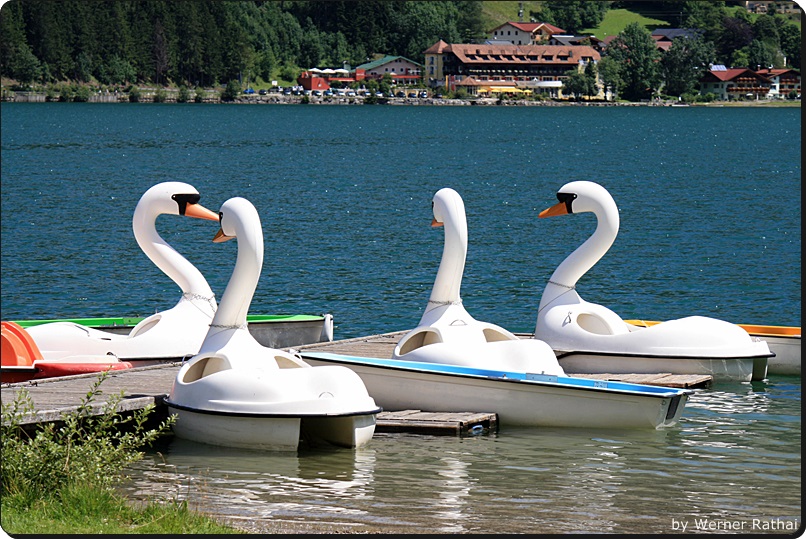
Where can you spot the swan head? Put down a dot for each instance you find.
(583, 196)
(238, 218)
(172, 198)
(448, 206)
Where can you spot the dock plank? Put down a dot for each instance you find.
(417, 421)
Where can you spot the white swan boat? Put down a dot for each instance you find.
(451, 362)
(519, 398)
(273, 330)
(447, 333)
(590, 338)
(784, 342)
(237, 393)
(176, 332)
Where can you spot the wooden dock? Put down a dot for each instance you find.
(142, 386)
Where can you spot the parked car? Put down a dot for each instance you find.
(423, 94)
(401, 93)
(262, 92)
(351, 93)
(249, 91)
(412, 94)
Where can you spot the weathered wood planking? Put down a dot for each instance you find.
(420, 422)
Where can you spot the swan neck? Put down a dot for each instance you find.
(590, 252)
(165, 257)
(234, 304)
(448, 282)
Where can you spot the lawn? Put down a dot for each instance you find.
(617, 20)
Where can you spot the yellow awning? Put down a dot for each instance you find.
(506, 89)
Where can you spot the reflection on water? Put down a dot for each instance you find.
(735, 456)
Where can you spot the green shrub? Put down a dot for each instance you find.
(184, 94)
(86, 449)
(66, 94)
(134, 95)
(160, 96)
(82, 94)
(232, 90)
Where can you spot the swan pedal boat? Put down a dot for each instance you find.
(519, 398)
(591, 338)
(784, 342)
(174, 332)
(238, 393)
(273, 330)
(23, 361)
(452, 362)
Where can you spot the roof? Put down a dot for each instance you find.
(531, 27)
(574, 40)
(732, 73)
(385, 60)
(674, 33)
(469, 81)
(437, 48)
(521, 54)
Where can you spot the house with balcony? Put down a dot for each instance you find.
(735, 83)
(499, 68)
(782, 82)
(524, 33)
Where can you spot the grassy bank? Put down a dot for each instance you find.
(61, 479)
(84, 508)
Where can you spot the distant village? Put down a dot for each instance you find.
(532, 58)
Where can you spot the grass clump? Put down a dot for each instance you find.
(60, 479)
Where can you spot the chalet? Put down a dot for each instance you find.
(402, 70)
(770, 6)
(524, 33)
(782, 82)
(531, 68)
(734, 83)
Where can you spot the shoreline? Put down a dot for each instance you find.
(40, 97)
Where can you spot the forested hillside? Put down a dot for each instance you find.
(210, 42)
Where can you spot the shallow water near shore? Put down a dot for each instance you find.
(734, 458)
(710, 208)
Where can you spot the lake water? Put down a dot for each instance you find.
(710, 206)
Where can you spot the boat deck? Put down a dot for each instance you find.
(142, 386)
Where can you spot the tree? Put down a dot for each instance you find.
(610, 75)
(231, 91)
(684, 64)
(582, 83)
(791, 44)
(469, 24)
(161, 62)
(573, 15)
(638, 58)
(736, 33)
(762, 54)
